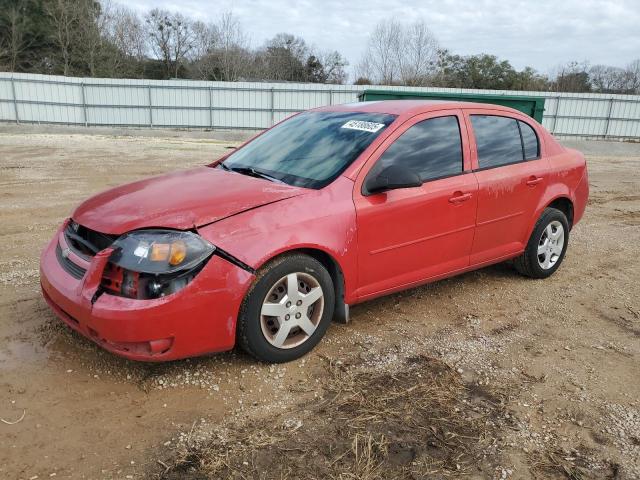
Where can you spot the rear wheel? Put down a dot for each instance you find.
(546, 247)
(288, 309)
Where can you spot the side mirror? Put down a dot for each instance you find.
(391, 178)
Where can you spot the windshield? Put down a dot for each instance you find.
(311, 149)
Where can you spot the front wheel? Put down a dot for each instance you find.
(546, 247)
(287, 310)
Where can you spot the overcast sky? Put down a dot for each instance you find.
(542, 34)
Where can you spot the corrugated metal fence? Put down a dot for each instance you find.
(31, 98)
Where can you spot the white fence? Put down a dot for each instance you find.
(29, 98)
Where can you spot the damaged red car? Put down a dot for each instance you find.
(329, 208)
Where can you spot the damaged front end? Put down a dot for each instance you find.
(129, 294)
(144, 264)
(153, 263)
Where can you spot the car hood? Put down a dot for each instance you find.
(181, 200)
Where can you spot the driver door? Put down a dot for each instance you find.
(410, 235)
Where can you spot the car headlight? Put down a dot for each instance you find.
(160, 251)
(154, 263)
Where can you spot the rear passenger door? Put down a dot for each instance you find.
(512, 176)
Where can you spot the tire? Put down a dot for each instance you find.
(284, 335)
(540, 258)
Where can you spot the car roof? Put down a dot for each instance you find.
(410, 107)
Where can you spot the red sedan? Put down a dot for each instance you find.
(327, 209)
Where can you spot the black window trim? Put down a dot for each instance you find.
(482, 169)
(457, 116)
(539, 156)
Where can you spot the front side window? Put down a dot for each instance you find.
(310, 149)
(497, 139)
(431, 148)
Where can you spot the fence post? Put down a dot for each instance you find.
(84, 105)
(15, 99)
(150, 107)
(555, 116)
(606, 127)
(210, 108)
(272, 108)
(330, 97)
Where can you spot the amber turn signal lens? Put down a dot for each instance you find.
(159, 252)
(174, 253)
(178, 252)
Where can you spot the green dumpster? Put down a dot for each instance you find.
(532, 106)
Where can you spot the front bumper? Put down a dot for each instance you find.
(199, 319)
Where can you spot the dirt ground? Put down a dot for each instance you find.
(486, 375)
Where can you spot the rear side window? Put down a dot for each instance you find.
(431, 148)
(497, 139)
(529, 141)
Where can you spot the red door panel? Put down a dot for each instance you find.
(507, 199)
(410, 235)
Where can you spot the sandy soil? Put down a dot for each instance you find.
(541, 376)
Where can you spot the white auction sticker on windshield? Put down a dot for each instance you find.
(364, 126)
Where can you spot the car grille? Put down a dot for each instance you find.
(86, 242)
(71, 268)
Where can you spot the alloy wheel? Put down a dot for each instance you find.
(292, 310)
(550, 245)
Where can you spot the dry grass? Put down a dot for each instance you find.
(555, 464)
(416, 422)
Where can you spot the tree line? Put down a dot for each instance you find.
(409, 54)
(107, 39)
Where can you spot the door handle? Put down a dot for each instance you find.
(533, 180)
(459, 197)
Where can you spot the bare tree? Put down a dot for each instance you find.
(330, 67)
(4, 54)
(125, 30)
(234, 46)
(183, 40)
(400, 53)
(572, 77)
(123, 36)
(380, 61)
(91, 29)
(171, 38)
(64, 15)
(221, 50)
(207, 40)
(284, 58)
(608, 79)
(418, 55)
(633, 76)
(159, 34)
(17, 39)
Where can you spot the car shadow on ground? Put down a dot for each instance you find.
(448, 287)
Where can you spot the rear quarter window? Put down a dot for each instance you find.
(529, 141)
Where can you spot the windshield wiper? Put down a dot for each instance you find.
(251, 172)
